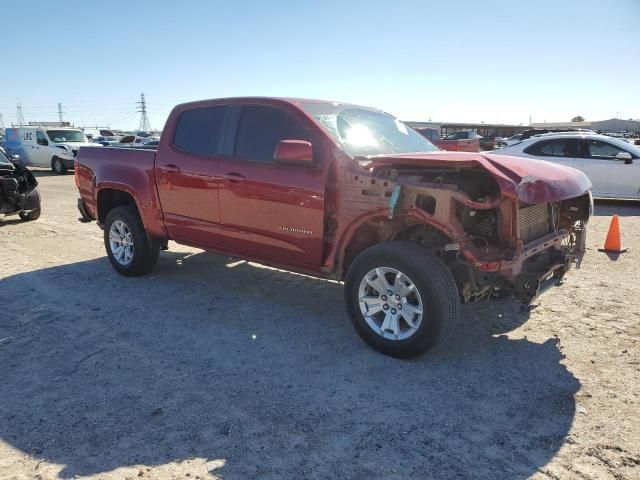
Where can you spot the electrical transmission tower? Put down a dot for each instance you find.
(60, 113)
(21, 121)
(144, 119)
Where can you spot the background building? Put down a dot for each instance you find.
(612, 125)
(487, 130)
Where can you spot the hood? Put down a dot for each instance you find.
(77, 145)
(531, 181)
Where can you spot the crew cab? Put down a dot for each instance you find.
(345, 192)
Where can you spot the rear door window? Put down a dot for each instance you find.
(261, 128)
(200, 131)
(554, 148)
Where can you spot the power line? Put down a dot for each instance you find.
(144, 119)
(21, 121)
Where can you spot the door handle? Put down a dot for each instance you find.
(171, 168)
(234, 177)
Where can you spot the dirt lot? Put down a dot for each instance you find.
(210, 368)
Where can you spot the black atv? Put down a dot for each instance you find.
(18, 189)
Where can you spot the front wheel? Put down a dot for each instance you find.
(402, 300)
(57, 166)
(130, 250)
(30, 216)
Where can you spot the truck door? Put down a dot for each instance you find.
(187, 175)
(269, 209)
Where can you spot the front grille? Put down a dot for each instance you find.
(534, 222)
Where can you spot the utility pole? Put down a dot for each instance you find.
(144, 119)
(60, 113)
(1, 122)
(21, 121)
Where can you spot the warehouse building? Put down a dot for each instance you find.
(486, 130)
(612, 125)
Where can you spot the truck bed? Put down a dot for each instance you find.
(126, 169)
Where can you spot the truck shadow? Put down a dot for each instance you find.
(260, 370)
(623, 208)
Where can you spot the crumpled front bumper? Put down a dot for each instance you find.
(545, 264)
(530, 285)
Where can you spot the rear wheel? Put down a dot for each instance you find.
(57, 166)
(130, 250)
(402, 300)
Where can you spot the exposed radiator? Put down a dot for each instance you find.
(534, 222)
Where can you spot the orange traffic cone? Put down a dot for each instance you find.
(612, 244)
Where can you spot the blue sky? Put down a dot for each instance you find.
(484, 60)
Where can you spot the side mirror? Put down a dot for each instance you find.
(626, 156)
(15, 158)
(294, 152)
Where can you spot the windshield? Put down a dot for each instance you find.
(362, 131)
(4, 159)
(626, 146)
(57, 136)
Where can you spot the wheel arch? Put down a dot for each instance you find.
(110, 198)
(376, 229)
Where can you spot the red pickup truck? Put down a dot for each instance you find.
(463, 141)
(345, 192)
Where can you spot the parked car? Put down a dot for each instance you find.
(135, 140)
(505, 142)
(106, 141)
(54, 148)
(463, 141)
(430, 133)
(540, 131)
(612, 164)
(344, 192)
(19, 193)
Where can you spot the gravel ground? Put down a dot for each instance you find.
(212, 368)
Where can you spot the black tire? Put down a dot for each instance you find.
(145, 250)
(30, 216)
(434, 283)
(57, 166)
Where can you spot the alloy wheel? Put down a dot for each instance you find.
(121, 242)
(390, 303)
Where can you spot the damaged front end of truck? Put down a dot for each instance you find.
(503, 226)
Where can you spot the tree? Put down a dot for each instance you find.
(579, 118)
